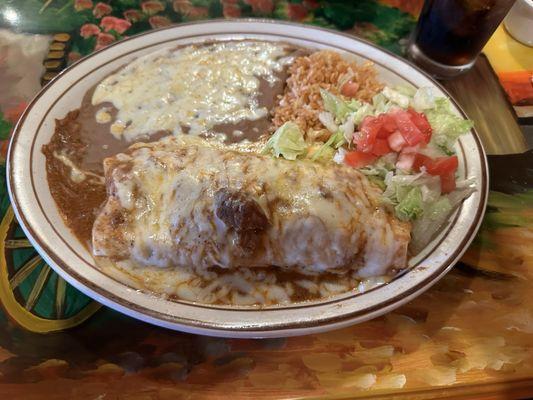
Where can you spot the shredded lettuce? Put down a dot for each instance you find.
(408, 91)
(348, 128)
(341, 110)
(334, 142)
(382, 166)
(381, 104)
(396, 97)
(328, 120)
(447, 128)
(443, 105)
(417, 198)
(411, 206)
(396, 183)
(354, 104)
(399, 193)
(412, 197)
(378, 172)
(378, 181)
(423, 99)
(436, 214)
(360, 114)
(335, 105)
(440, 206)
(322, 154)
(287, 141)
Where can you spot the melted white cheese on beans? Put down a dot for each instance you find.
(196, 87)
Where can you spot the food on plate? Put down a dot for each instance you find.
(404, 141)
(86, 136)
(322, 70)
(193, 89)
(183, 201)
(255, 173)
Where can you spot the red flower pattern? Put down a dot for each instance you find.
(73, 56)
(88, 30)
(412, 7)
(13, 113)
(133, 15)
(102, 9)
(103, 40)
(198, 13)
(231, 10)
(158, 21)
(296, 12)
(80, 5)
(119, 25)
(152, 7)
(261, 6)
(182, 6)
(311, 4)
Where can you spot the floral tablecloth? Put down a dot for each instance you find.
(470, 335)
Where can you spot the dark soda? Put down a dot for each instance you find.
(453, 32)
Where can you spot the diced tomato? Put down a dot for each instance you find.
(381, 147)
(349, 89)
(421, 123)
(421, 161)
(358, 159)
(443, 165)
(413, 127)
(411, 149)
(396, 141)
(436, 166)
(368, 133)
(447, 182)
(408, 129)
(383, 134)
(374, 128)
(407, 158)
(405, 161)
(388, 125)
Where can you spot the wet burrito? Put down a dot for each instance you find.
(184, 201)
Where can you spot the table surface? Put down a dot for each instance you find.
(470, 336)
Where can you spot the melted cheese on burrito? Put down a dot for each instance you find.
(186, 202)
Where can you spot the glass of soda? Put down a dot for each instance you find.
(451, 33)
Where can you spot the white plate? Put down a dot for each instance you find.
(39, 217)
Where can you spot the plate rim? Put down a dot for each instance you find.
(324, 324)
